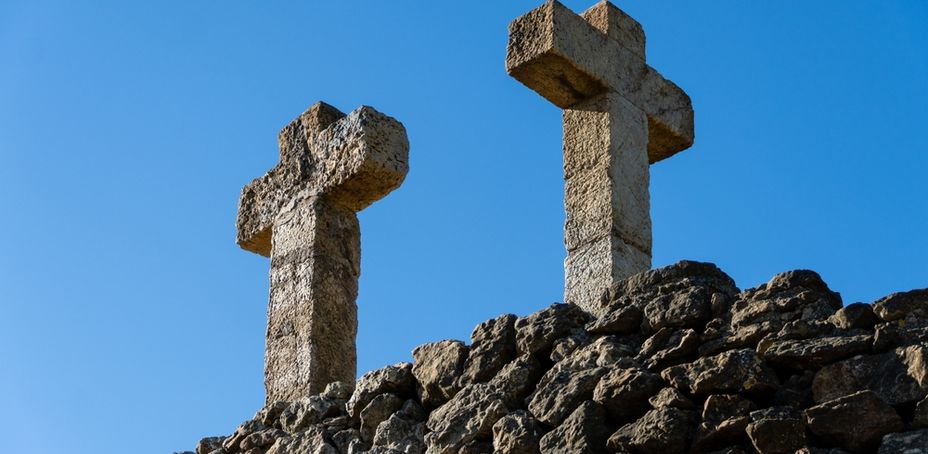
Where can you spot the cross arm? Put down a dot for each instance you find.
(566, 59)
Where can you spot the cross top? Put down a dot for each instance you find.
(302, 214)
(353, 160)
(620, 115)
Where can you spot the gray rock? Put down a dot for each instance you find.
(669, 347)
(671, 397)
(343, 439)
(261, 439)
(813, 353)
(624, 393)
(232, 442)
(209, 444)
(561, 391)
(493, 345)
(794, 295)
(854, 316)
(583, 432)
(311, 441)
(269, 415)
(468, 416)
(401, 434)
(685, 308)
(729, 372)
(920, 417)
(567, 345)
(724, 418)
(663, 430)
(914, 442)
(538, 331)
(516, 433)
(477, 447)
(776, 430)
(396, 379)
(380, 408)
(855, 422)
(898, 377)
(437, 368)
(517, 380)
(899, 306)
(622, 320)
(307, 411)
(338, 391)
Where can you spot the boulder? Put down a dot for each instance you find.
(901, 305)
(856, 422)
(561, 391)
(898, 377)
(913, 442)
(583, 432)
(624, 393)
(854, 316)
(396, 379)
(733, 371)
(517, 433)
(776, 430)
(437, 367)
(663, 430)
(493, 345)
(537, 332)
(468, 416)
(724, 418)
(813, 353)
(378, 410)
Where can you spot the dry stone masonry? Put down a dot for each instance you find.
(302, 215)
(620, 115)
(680, 361)
(637, 361)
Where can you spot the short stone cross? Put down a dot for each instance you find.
(302, 214)
(620, 115)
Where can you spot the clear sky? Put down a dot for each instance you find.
(132, 322)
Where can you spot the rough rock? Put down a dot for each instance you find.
(898, 377)
(854, 316)
(516, 433)
(855, 422)
(559, 393)
(665, 429)
(724, 418)
(669, 347)
(401, 434)
(468, 416)
(914, 442)
(730, 372)
(671, 397)
(397, 379)
(814, 353)
(437, 369)
(583, 432)
(538, 331)
(902, 305)
(493, 345)
(624, 320)
(776, 430)
(624, 393)
(307, 411)
(380, 408)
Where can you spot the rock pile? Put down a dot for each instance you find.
(672, 360)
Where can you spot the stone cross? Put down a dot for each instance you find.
(620, 115)
(302, 214)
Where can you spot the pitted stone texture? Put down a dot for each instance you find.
(620, 115)
(396, 379)
(437, 368)
(302, 214)
(537, 332)
(898, 377)
(662, 430)
(902, 305)
(856, 422)
(583, 432)
(516, 433)
(730, 372)
(493, 345)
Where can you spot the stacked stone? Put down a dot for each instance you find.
(671, 360)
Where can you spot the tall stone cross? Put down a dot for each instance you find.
(302, 214)
(620, 115)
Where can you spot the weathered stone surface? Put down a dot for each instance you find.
(624, 393)
(468, 416)
(663, 430)
(854, 422)
(914, 442)
(814, 353)
(517, 380)
(619, 116)
(307, 411)
(234, 441)
(380, 408)
(920, 417)
(776, 430)
(724, 418)
(898, 377)
(538, 331)
(437, 367)
(567, 345)
(854, 316)
(583, 432)
(730, 372)
(670, 397)
(311, 441)
(623, 320)
(396, 379)
(209, 444)
(560, 391)
(902, 305)
(331, 166)
(401, 434)
(669, 347)
(493, 345)
(794, 295)
(516, 433)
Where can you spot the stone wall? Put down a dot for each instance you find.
(674, 360)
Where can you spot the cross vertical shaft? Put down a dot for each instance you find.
(620, 115)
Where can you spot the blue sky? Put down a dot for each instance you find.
(131, 320)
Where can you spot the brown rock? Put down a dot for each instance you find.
(624, 393)
(900, 305)
(899, 376)
(516, 433)
(735, 371)
(437, 367)
(855, 422)
(493, 345)
(663, 430)
(583, 432)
